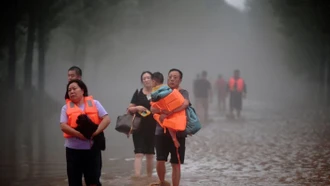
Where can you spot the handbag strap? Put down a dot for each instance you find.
(131, 129)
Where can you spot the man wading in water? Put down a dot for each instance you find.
(165, 144)
(237, 90)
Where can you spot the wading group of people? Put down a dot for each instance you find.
(234, 88)
(83, 148)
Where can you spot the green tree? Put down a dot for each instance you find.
(306, 25)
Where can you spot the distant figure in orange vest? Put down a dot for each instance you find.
(237, 89)
(220, 88)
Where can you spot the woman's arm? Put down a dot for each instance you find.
(154, 110)
(131, 108)
(66, 128)
(103, 125)
(103, 114)
(71, 131)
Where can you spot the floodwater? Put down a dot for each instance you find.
(268, 147)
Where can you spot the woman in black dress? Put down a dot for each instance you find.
(144, 138)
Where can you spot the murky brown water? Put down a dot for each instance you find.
(268, 148)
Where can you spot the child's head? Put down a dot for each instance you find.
(157, 79)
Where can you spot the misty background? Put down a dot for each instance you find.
(282, 56)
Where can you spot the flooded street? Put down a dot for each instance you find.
(268, 147)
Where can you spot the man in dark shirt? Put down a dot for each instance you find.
(203, 96)
(167, 144)
(195, 86)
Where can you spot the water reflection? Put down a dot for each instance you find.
(270, 147)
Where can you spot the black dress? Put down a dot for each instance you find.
(144, 138)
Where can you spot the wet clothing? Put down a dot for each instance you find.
(144, 138)
(235, 100)
(165, 144)
(74, 142)
(83, 162)
(203, 86)
(202, 98)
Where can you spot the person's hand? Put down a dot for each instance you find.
(162, 117)
(131, 110)
(176, 143)
(154, 110)
(166, 112)
(95, 134)
(140, 108)
(80, 136)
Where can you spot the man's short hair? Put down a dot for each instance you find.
(158, 77)
(176, 70)
(76, 69)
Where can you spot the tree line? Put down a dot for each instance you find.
(306, 25)
(27, 30)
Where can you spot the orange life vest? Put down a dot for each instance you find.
(73, 111)
(176, 121)
(239, 84)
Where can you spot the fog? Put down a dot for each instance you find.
(190, 35)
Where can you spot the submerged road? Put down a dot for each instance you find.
(268, 147)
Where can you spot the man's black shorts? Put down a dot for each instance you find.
(235, 100)
(165, 146)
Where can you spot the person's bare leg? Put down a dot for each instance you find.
(161, 170)
(176, 174)
(231, 114)
(206, 110)
(219, 104)
(150, 164)
(224, 105)
(138, 164)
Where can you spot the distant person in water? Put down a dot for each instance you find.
(220, 87)
(203, 97)
(144, 138)
(74, 72)
(237, 90)
(195, 86)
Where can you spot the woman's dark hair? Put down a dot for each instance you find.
(177, 70)
(80, 84)
(145, 72)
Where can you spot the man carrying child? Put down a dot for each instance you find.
(171, 142)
